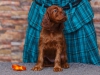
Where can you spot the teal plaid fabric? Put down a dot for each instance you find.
(79, 32)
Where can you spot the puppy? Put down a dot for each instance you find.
(52, 45)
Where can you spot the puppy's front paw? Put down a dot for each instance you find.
(57, 69)
(37, 68)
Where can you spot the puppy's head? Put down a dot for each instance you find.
(53, 16)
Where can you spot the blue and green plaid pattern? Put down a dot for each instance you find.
(79, 32)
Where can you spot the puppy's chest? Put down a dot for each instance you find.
(52, 39)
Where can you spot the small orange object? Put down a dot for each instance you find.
(18, 67)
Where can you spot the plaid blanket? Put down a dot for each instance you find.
(79, 32)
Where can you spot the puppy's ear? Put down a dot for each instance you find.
(46, 20)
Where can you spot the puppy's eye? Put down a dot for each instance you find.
(55, 10)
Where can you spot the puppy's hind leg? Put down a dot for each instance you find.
(64, 63)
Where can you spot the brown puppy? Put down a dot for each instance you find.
(52, 46)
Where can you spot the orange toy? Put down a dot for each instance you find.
(18, 67)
